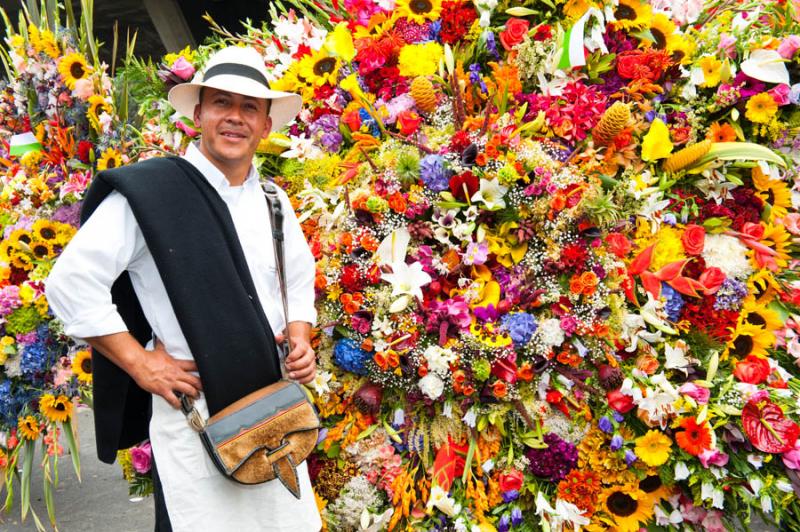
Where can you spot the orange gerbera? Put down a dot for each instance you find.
(721, 132)
(695, 438)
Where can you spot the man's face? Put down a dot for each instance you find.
(232, 126)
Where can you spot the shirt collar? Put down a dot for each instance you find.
(213, 174)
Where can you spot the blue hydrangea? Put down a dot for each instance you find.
(433, 173)
(674, 302)
(349, 356)
(34, 359)
(520, 327)
(11, 403)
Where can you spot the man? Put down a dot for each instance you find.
(177, 254)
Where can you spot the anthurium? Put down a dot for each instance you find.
(766, 426)
(656, 143)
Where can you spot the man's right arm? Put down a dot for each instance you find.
(79, 293)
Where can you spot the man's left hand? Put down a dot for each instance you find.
(301, 363)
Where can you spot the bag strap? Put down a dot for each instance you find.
(276, 223)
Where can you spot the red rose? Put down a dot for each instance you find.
(752, 370)
(511, 481)
(515, 31)
(711, 279)
(84, 148)
(619, 244)
(407, 122)
(619, 401)
(694, 239)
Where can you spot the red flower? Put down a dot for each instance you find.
(407, 122)
(511, 481)
(456, 18)
(767, 427)
(643, 64)
(460, 141)
(351, 279)
(712, 279)
(84, 149)
(693, 238)
(752, 370)
(543, 32)
(695, 438)
(618, 244)
(619, 401)
(516, 29)
(466, 180)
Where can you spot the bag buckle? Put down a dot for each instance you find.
(193, 417)
(270, 452)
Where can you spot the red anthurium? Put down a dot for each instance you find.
(642, 261)
(506, 369)
(766, 426)
(463, 184)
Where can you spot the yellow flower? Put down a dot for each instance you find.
(761, 288)
(82, 366)
(712, 70)
(44, 229)
(749, 339)
(319, 68)
(760, 316)
(654, 448)
(48, 44)
(110, 158)
(97, 106)
(761, 108)
(656, 143)
(774, 193)
(28, 427)
(42, 249)
(72, 68)
(420, 59)
(626, 506)
(56, 409)
(669, 248)
(419, 10)
(187, 54)
(663, 31)
(632, 14)
(340, 42)
(777, 238)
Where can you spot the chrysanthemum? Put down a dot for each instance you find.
(760, 316)
(761, 108)
(420, 59)
(728, 254)
(72, 68)
(654, 448)
(627, 507)
(28, 427)
(632, 14)
(319, 68)
(419, 10)
(774, 192)
(56, 408)
(749, 339)
(44, 229)
(97, 106)
(82, 366)
(111, 158)
(695, 438)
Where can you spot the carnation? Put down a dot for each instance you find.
(550, 332)
(439, 359)
(431, 385)
(727, 254)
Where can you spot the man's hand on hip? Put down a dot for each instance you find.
(161, 374)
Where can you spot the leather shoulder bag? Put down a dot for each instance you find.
(267, 433)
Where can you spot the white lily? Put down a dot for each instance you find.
(491, 194)
(394, 247)
(676, 356)
(407, 282)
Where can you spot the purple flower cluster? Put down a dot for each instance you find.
(555, 461)
(433, 173)
(730, 295)
(674, 302)
(326, 128)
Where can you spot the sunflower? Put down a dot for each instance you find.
(488, 335)
(749, 339)
(56, 408)
(663, 31)
(773, 192)
(761, 108)
(97, 106)
(695, 438)
(419, 10)
(110, 158)
(654, 448)
(42, 249)
(44, 229)
(28, 427)
(632, 14)
(721, 132)
(319, 68)
(82, 366)
(7, 248)
(760, 316)
(20, 236)
(762, 288)
(777, 238)
(21, 260)
(72, 68)
(64, 234)
(654, 488)
(627, 507)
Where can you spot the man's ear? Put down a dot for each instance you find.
(196, 116)
(267, 128)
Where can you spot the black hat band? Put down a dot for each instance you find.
(236, 69)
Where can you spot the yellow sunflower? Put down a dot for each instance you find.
(761, 288)
(97, 106)
(777, 238)
(42, 249)
(110, 158)
(654, 488)
(28, 427)
(44, 229)
(663, 31)
(21, 260)
(56, 408)
(760, 316)
(749, 339)
(487, 335)
(419, 10)
(64, 234)
(20, 236)
(773, 192)
(72, 68)
(654, 448)
(632, 14)
(82, 366)
(6, 249)
(627, 506)
(319, 68)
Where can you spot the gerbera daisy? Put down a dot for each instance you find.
(44, 229)
(110, 158)
(319, 68)
(695, 438)
(749, 339)
(28, 427)
(56, 408)
(712, 70)
(632, 14)
(663, 31)
(97, 106)
(773, 192)
(654, 448)
(419, 10)
(761, 108)
(82, 366)
(760, 316)
(627, 506)
(721, 132)
(72, 68)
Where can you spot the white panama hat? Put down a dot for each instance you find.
(239, 70)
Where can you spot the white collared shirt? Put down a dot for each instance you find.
(78, 289)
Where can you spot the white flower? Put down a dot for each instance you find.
(302, 149)
(439, 359)
(394, 247)
(757, 461)
(407, 280)
(491, 194)
(676, 356)
(550, 332)
(440, 500)
(320, 382)
(681, 471)
(715, 495)
(728, 254)
(564, 512)
(431, 385)
(470, 417)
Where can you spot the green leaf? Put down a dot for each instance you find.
(367, 431)
(47, 488)
(468, 461)
(25, 479)
(69, 435)
(393, 434)
(735, 151)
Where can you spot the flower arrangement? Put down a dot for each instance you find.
(58, 126)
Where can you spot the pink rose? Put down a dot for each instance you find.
(713, 457)
(516, 29)
(694, 239)
(712, 279)
(142, 458)
(792, 223)
(780, 93)
(789, 46)
(182, 68)
(698, 393)
(190, 132)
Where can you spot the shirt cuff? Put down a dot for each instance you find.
(99, 323)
